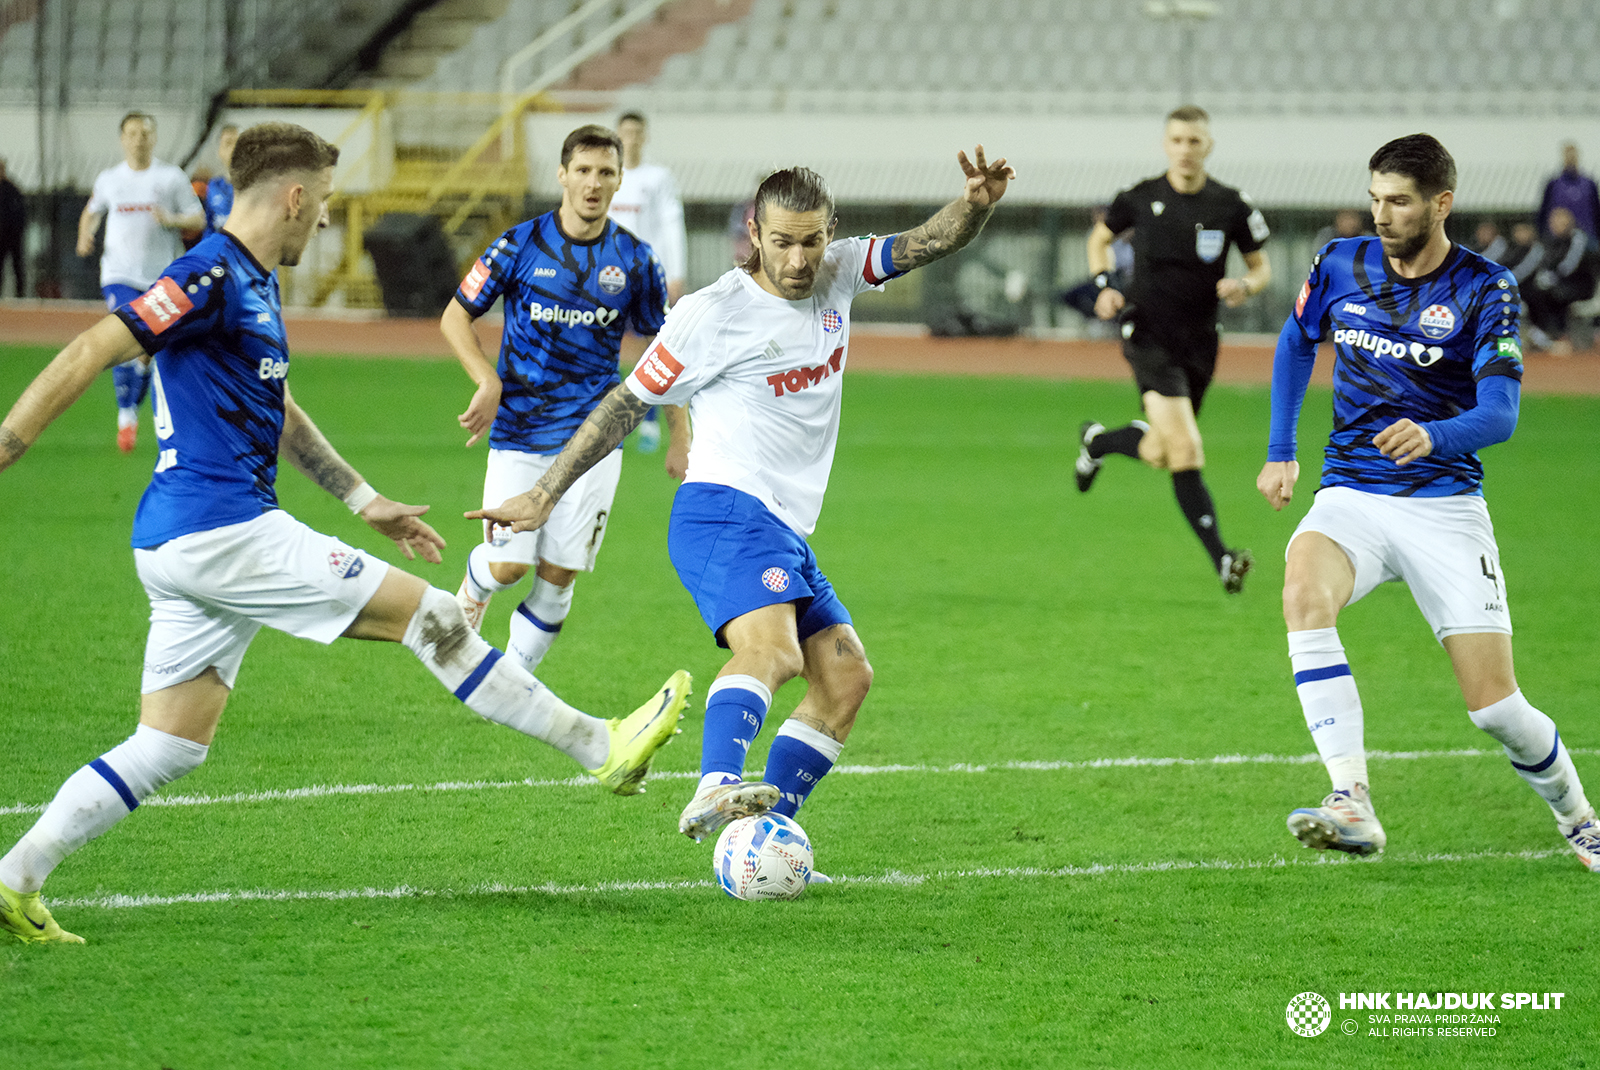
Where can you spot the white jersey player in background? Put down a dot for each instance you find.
(146, 202)
(760, 356)
(648, 204)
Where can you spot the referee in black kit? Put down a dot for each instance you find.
(1183, 222)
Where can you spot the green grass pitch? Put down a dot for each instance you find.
(485, 911)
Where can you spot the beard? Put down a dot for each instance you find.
(1408, 246)
(793, 289)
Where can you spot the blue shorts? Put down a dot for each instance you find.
(734, 557)
(116, 294)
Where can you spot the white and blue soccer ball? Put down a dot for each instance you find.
(767, 856)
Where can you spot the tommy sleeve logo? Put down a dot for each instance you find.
(472, 285)
(162, 305)
(658, 370)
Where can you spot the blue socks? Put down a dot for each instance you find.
(736, 707)
(799, 757)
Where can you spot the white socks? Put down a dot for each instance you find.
(1537, 754)
(496, 689)
(481, 583)
(537, 622)
(1331, 704)
(96, 797)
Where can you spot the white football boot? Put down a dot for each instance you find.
(1585, 840)
(716, 806)
(1344, 822)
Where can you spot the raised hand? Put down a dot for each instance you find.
(986, 182)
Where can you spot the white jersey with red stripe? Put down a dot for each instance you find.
(137, 247)
(763, 377)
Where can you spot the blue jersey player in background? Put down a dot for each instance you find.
(219, 558)
(572, 281)
(1428, 371)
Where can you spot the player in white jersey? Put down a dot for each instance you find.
(146, 202)
(217, 555)
(648, 204)
(760, 356)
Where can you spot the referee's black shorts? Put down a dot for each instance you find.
(1173, 363)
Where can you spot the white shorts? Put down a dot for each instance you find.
(1443, 548)
(572, 536)
(210, 592)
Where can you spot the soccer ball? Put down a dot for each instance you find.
(767, 856)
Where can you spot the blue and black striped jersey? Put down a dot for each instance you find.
(213, 324)
(1404, 348)
(567, 304)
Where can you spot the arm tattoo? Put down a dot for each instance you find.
(951, 227)
(11, 445)
(316, 458)
(617, 414)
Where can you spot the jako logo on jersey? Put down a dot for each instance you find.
(775, 580)
(346, 564)
(473, 283)
(1354, 309)
(1437, 321)
(613, 279)
(1415, 352)
(801, 378)
(272, 369)
(658, 369)
(832, 322)
(571, 316)
(544, 273)
(161, 305)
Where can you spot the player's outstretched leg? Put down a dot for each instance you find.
(1194, 498)
(538, 620)
(1094, 442)
(736, 708)
(497, 689)
(131, 380)
(93, 799)
(1536, 752)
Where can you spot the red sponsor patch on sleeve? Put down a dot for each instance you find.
(1300, 302)
(473, 283)
(162, 305)
(658, 369)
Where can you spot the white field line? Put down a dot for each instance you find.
(891, 878)
(317, 791)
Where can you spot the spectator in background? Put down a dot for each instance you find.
(13, 224)
(648, 204)
(1522, 254)
(1347, 223)
(1081, 297)
(1489, 243)
(1574, 191)
(1566, 276)
(218, 196)
(146, 203)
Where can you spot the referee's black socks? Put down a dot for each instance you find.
(1195, 501)
(1124, 440)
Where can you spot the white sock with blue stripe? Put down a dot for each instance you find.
(495, 687)
(537, 622)
(1537, 754)
(1331, 704)
(481, 583)
(96, 797)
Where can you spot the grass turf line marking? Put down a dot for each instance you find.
(317, 791)
(891, 878)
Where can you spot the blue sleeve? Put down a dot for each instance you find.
(1491, 420)
(489, 275)
(1291, 374)
(649, 310)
